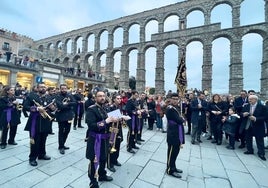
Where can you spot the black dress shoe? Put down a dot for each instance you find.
(136, 147)
(62, 151)
(218, 143)
(81, 126)
(45, 157)
(242, 146)
(187, 133)
(3, 146)
(105, 178)
(74, 128)
(213, 141)
(65, 147)
(248, 152)
(131, 151)
(193, 142)
(230, 147)
(51, 133)
(12, 143)
(138, 142)
(200, 141)
(141, 140)
(262, 157)
(209, 138)
(93, 185)
(112, 169)
(117, 164)
(175, 174)
(33, 163)
(178, 170)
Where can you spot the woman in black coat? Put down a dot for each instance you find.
(9, 116)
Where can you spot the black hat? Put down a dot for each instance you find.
(174, 95)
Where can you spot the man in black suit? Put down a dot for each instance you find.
(198, 107)
(239, 103)
(175, 135)
(254, 115)
(64, 116)
(98, 140)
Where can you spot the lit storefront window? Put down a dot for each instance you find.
(50, 83)
(25, 79)
(69, 83)
(4, 76)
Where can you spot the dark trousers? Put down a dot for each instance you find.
(231, 140)
(130, 139)
(112, 157)
(197, 129)
(139, 132)
(189, 125)
(259, 142)
(151, 123)
(172, 154)
(38, 149)
(64, 129)
(12, 134)
(78, 119)
(217, 131)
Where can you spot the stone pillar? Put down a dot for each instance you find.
(142, 34)
(84, 46)
(74, 46)
(124, 71)
(207, 67)
(266, 10)
(140, 77)
(207, 18)
(97, 43)
(110, 40)
(160, 27)
(236, 68)
(125, 36)
(159, 72)
(236, 16)
(182, 24)
(264, 72)
(13, 78)
(64, 49)
(109, 73)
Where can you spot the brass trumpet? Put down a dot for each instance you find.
(113, 130)
(44, 114)
(19, 107)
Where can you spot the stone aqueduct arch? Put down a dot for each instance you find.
(204, 34)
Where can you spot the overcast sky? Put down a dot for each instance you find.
(44, 18)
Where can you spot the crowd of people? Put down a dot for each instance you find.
(238, 119)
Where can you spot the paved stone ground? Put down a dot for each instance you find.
(204, 165)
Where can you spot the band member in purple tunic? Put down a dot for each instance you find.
(98, 140)
(9, 116)
(175, 135)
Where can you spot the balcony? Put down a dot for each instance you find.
(6, 48)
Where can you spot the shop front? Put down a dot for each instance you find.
(69, 83)
(51, 80)
(25, 79)
(4, 76)
(81, 85)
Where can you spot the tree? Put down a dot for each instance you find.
(152, 91)
(132, 83)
